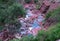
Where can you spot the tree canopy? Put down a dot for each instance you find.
(10, 10)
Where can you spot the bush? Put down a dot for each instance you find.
(1, 27)
(48, 15)
(15, 40)
(37, 7)
(26, 38)
(54, 14)
(52, 34)
(40, 36)
(11, 13)
(29, 1)
(35, 1)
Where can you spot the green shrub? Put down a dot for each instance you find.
(11, 13)
(35, 1)
(0, 40)
(27, 1)
(14, 40)
(52, 34)
(48, 15)
(40, 36)
(26, 38)
(1, 27)
(37, 7)
(54, 14)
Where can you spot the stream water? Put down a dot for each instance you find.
(29, 24)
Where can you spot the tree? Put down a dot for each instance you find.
(53, 16)
(31, 1)
(9, 12)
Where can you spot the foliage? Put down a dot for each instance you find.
(48, 15)
(52, 34)
(29, 1)
(37, 7)
(35, 1)
(6, 3)
(54, 14)
(1, 27)
(26, 38)
(10, 10)
(15, 40)
(8, 13)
